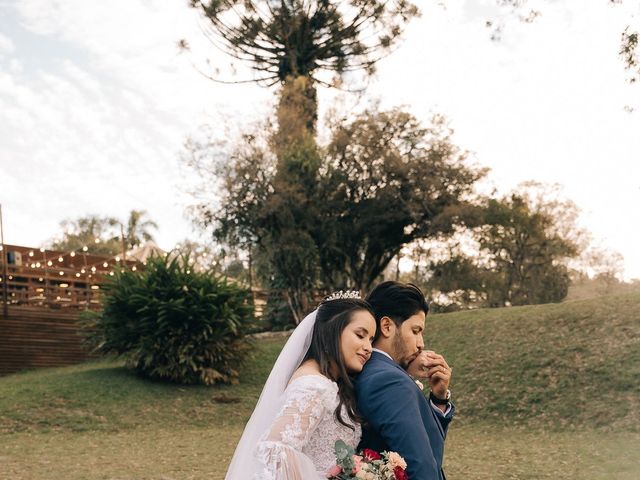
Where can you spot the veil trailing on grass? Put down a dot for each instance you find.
(244, 464)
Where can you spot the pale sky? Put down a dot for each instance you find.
(96, 102)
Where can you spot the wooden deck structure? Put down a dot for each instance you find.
(54, 279)
(35, 337)
(45, 292)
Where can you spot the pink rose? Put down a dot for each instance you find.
(334, 471)
(357, 460)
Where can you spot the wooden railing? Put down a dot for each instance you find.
(53, 279)
(36, 287)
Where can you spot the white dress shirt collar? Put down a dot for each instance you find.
(382, 352)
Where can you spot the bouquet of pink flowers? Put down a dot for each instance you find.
(367, 465)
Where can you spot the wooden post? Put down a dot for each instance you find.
(46, 277)
(124, 246)
(87, 287)
(5, 280)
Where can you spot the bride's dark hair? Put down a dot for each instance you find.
(331, 319)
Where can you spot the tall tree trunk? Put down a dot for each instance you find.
(295, 183)
(297, 115)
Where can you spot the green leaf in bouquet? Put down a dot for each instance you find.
(344, 456)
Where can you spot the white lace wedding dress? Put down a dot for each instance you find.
(300, 442)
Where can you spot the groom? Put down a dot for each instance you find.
(398, 416)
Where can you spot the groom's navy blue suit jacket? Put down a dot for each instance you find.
(400, 419)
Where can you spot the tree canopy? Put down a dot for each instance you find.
(521, 255)
(291, 38)
(99, 234)
(102, 235)
(382, 181)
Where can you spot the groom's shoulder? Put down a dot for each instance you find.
(377, 371)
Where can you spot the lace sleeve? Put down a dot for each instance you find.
(280, 450)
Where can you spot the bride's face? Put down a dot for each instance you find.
(356, 339)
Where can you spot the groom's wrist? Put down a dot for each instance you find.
(440, 400)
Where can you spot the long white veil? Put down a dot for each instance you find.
(244, 464)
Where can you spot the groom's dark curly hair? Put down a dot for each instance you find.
(332, 318)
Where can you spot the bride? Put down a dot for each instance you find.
(308, 401)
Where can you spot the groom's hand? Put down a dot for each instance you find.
(433, 367)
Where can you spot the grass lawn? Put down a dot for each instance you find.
(550, 391)
(199, 453)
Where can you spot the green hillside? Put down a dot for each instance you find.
(557, 377)
(560, 365)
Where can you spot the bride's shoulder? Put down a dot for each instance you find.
(308, 376)
(314, 388)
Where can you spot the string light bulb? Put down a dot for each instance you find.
(31, 253)
(85, 248)
(73, 254)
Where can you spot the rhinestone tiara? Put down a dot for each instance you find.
(341, 295)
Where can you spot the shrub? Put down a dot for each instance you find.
(174, 324)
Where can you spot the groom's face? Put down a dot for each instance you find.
(408, 341)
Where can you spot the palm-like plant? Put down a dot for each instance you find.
(138, 228)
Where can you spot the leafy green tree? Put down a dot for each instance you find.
(527, 251)
(173, 323)
(102, 235)
(382, 181)
(99, 234)
(388, 181)
(295, 44)
(262, 210)
(523, 249)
